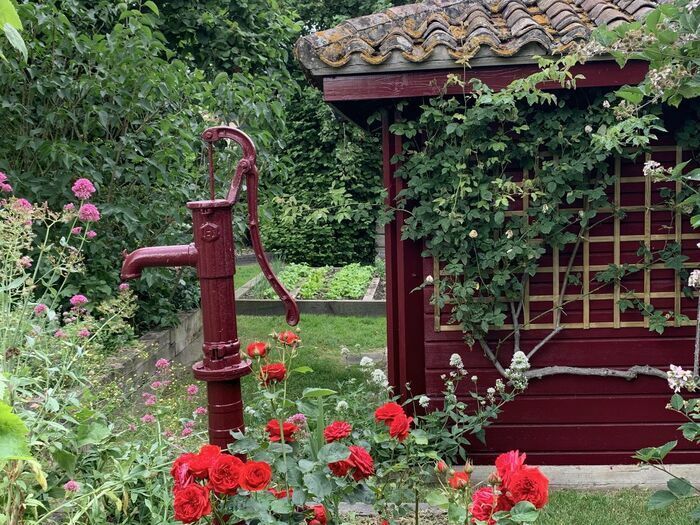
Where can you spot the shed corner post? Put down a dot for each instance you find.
(404, 273)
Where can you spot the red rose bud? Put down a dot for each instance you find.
(255, 476)
(191, 503)
(273, 373)
(275, 432)
(459, 480)
(387, 412)
(281, 494)
(336, 431)
(319, 516)
(257, 349)
(441, 467)
(288, 338)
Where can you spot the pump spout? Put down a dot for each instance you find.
(157, 256)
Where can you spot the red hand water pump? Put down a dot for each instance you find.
(213, 255)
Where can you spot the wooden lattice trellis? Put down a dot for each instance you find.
(530, 317)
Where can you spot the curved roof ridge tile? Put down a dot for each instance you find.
(462, 28)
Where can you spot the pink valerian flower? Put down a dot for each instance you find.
(69, 207)
(83, 332)
(187, 431)
(25, 262)
(78, 300)
(71, 486)
(297, 419)
(124, 287)
(200, 411)
(39, 309)
(77, 230)
(89, 213)
(149, 399)
(189, 424)
(156, 385)
(148, 418)
(59, 333)
(23, 205)
(131, 427)
(91, 234)
(83, 189)
(5, 188)
(162, 364)
(3, 177)
(192, 390)
(168, 433)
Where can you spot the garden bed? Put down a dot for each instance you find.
(355, 289)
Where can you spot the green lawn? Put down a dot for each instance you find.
(322, 338)
(245, 273)
(624, 507)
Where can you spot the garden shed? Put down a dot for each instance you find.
(391, 63)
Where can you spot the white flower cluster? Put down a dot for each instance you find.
(456, 361)
(516, 372)
(341, 406)
(679, 379)
(424, 401)
(694, 279)
(654, 170)
(667, 77)
(366, 362)
(692, 5)
(379, 378)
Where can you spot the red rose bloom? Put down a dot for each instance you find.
(481, 507)
(400, 427)
(275, 432)
(528, 484)
(180, 470)
(340, 469)
(319, 517)
(257, 349)
(191, 503)
(200, 463)
(288, 338)
(459, 480)
(509, 463)
(255, 476)
(273, 373)
(362, 462)
(336, 431)
(388, 412)
(225, 473)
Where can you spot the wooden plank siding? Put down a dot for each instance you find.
(559, 420)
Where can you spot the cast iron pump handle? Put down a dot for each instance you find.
(247, 167)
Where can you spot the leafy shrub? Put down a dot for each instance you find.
(350, 282)
(103, 97)
(328, 201)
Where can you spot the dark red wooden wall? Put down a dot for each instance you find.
(561, 419)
